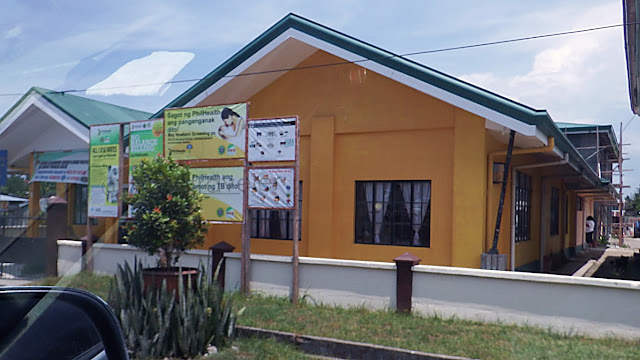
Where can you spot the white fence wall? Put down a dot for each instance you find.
(328, 281)
(69, 257)
(597, 307)
(107, 257)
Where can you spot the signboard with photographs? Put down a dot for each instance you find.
(271, 139)
(104, 172)
(271, 188)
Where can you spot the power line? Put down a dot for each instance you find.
(432, 51)
(629, 122)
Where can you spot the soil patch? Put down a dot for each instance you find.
(620, 267)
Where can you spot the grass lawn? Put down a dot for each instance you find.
(266, 349)
(430, 334)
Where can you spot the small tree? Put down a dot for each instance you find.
(167, 218)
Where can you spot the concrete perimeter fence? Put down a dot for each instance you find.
(574, 305)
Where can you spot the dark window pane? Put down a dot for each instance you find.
(393, 213)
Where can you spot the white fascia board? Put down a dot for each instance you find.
(450, 98)
(558, 152)
(59, 116)
(542, 137)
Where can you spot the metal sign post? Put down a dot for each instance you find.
(275, 140)
(295, 270)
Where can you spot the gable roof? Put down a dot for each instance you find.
(85, 111)
(498, 109)
(61, 122)
(367, 53)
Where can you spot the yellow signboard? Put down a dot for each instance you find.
(223, 192)
(209, 132)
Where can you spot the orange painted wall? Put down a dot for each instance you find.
(367, 127)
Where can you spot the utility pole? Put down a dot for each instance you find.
(621, 186)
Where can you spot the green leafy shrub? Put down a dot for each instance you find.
(159, 324)
(167, 218)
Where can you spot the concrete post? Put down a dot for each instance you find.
(217, 255)
(87, 244)
(404, 281)
(56, 229)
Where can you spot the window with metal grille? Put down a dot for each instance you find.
(566, 214)
(523, 206)
(275, 224)
(554, 212)
(80, 204)
(393, 213)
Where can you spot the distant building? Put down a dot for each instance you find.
(47, 122)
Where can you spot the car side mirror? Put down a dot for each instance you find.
(57, 323)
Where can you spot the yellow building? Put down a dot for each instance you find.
(394, 156)
(398, 157)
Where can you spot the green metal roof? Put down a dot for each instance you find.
(86, 111)
(488, 99)
(569, 128)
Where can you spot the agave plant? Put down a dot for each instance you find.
(157, 323)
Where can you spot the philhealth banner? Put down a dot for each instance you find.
(222, 188)
(209, 132)
(104, 153)
(70, 167)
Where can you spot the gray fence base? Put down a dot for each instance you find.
(494, 261)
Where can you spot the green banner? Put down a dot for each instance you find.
(210, 132)
(145, 142)
(223, 191)
(104, 157)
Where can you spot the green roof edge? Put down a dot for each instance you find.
(48, 95)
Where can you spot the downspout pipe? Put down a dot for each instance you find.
(491, 157)
(565, 160)
(503, 189)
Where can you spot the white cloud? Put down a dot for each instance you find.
(145, 76)
(13, 32)
(573, 76)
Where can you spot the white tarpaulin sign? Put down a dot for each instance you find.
(61, 167)
(271, 188)
(272, 140)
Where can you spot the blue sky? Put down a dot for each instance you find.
(68, 45)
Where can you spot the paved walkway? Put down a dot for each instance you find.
(575, 263)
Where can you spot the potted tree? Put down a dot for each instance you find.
(167, 218)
